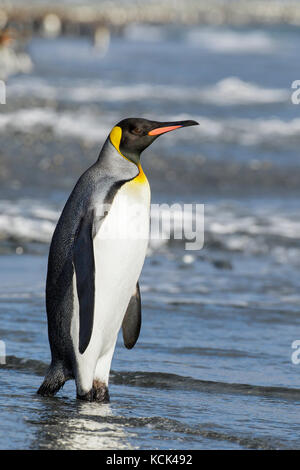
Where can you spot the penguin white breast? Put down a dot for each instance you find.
(119, 251)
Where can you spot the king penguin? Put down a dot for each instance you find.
(96, 256)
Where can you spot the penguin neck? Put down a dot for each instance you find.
(116, 165)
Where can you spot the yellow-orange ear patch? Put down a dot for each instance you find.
(115, 137)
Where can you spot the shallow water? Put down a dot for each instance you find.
(206, 373)
(212, 368)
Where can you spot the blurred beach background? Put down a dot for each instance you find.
(212, 368)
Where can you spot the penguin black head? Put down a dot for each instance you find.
(133, 135)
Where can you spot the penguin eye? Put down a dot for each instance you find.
(137, 131)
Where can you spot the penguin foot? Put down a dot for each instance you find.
(100, 392)
(86, 397)
(54, 380)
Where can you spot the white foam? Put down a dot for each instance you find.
(231, 41)
(83, 125)
(229, 91)
(253, 230)
(144, 33)
(27, 220)
(89, 126)
(243, 131)
(238, 228)
(12, 62)
(234, 91)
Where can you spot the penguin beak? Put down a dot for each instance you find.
(171, 126)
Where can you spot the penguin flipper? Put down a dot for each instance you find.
(84, 264)
(132, 320)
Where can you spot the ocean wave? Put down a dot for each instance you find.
(211, 431)
(229, 228)
(234, 91)
(63, 124)
(163, 380)
(13, 63)
(26, 221)
(214, 39)
(145, 33)
(232, 41)
(229, 91)
(28, 365)
(246, 132)
(184, 431)
(92, 127)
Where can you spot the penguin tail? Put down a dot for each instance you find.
(54, 380)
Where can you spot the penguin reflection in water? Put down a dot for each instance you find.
(92, 282)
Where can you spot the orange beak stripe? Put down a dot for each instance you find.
(162, 130)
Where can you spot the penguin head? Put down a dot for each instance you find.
(133, 135)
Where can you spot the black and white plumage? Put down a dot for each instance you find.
(92, 281)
